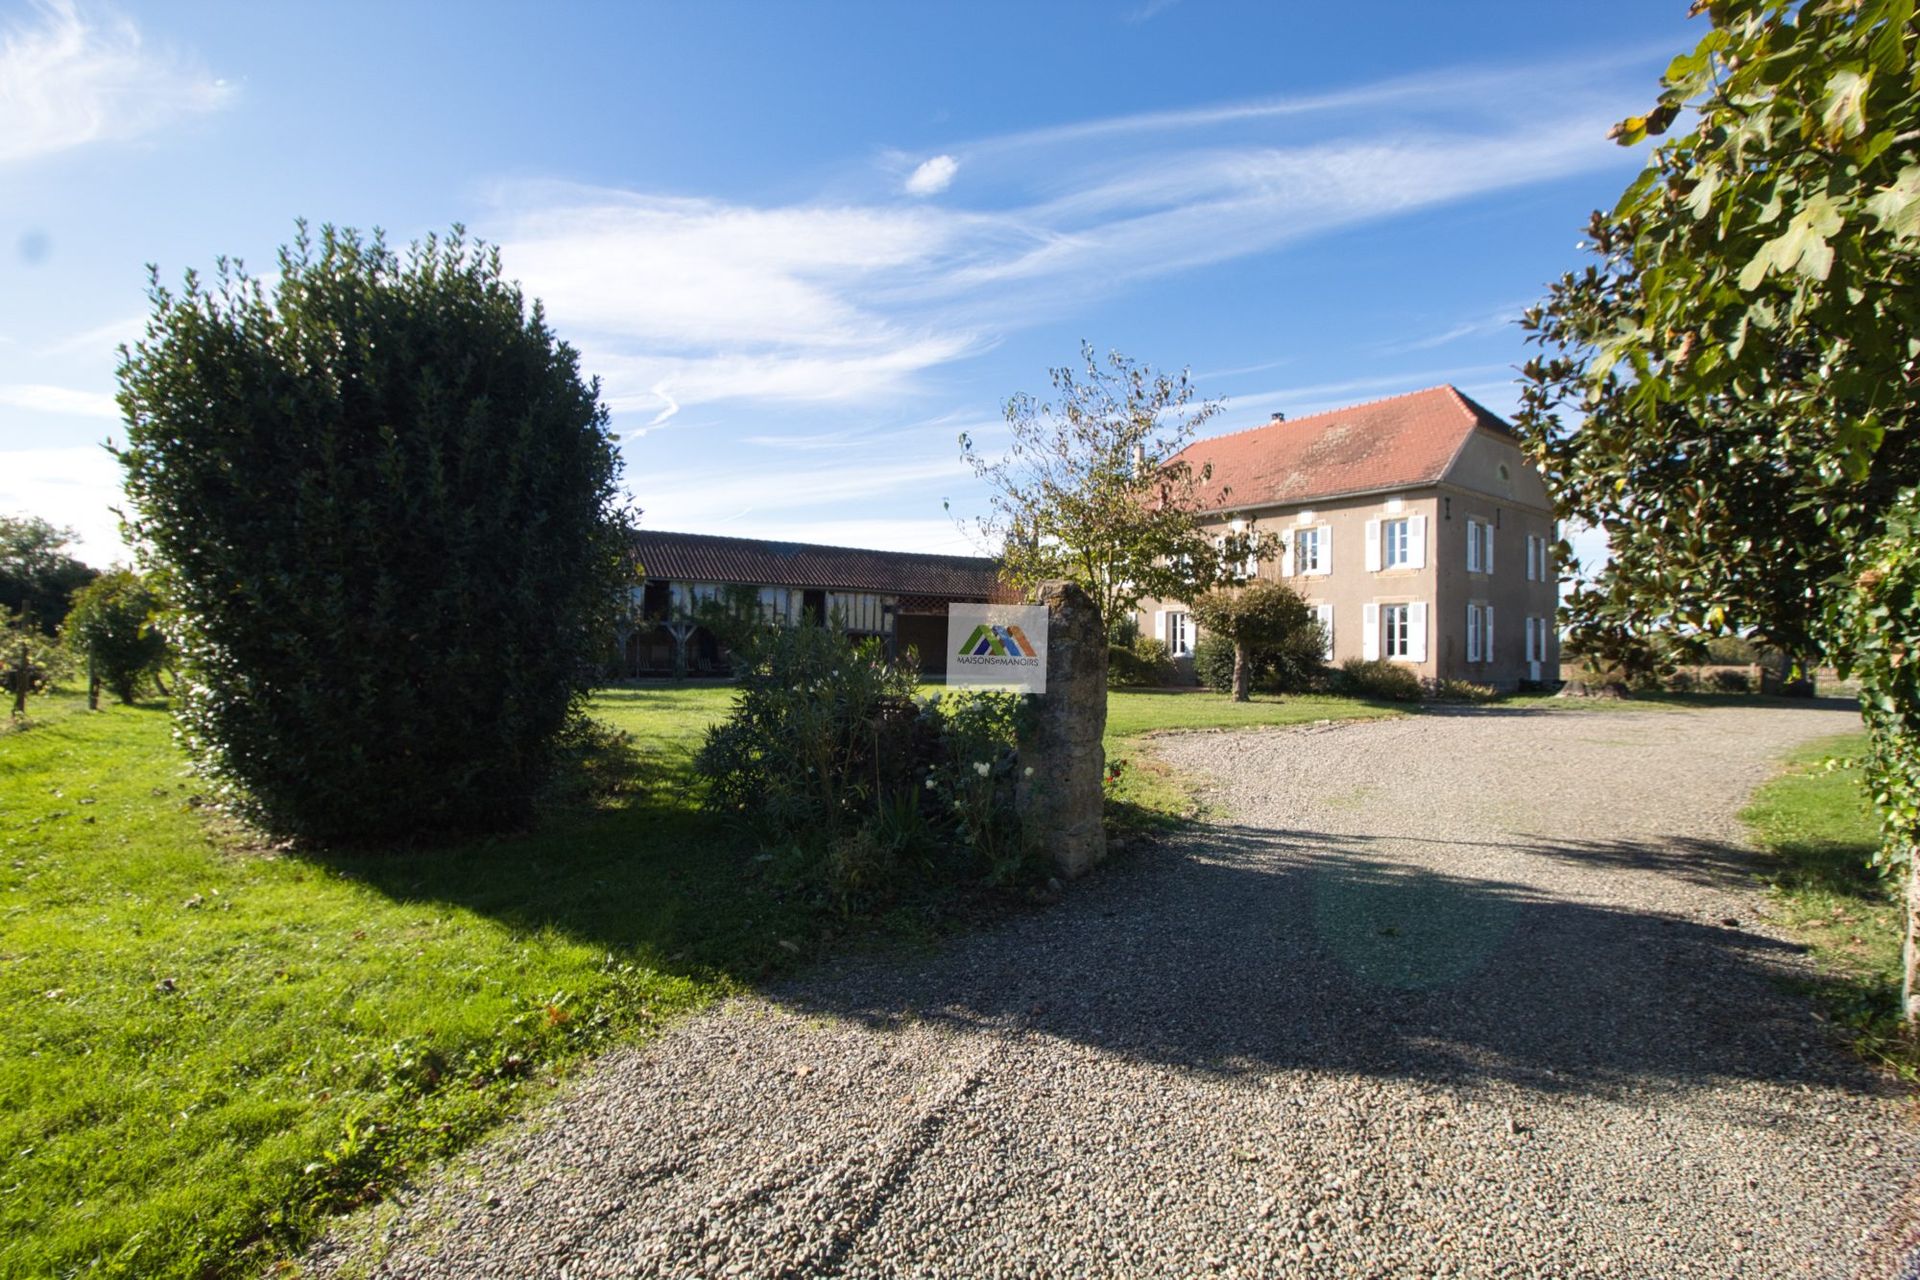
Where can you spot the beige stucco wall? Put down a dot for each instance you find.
(1516, 505)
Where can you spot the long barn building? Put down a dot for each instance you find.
(899, 596)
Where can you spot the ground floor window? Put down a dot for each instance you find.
(1395, 632)
(1179, 634)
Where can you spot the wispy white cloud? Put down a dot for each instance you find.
(1148, 10)
(67, 80)
(931, 177)
(679, 302)
(101, 338)
(38, 398)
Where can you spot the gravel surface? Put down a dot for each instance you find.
(1487, 993)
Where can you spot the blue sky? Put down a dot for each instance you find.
(804, 246)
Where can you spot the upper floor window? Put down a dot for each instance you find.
(1479, 546)
(1539, 559)
(1310, 550)
(1396, 543)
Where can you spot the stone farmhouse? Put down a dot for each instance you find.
(899, 596)
(1414, 526)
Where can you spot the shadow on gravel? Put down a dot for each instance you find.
(1251, 950)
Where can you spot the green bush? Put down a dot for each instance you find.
(114, 621)
(1381, 679)
(1731, 682)
(1143, 661)
(827, 756)
(1459, 691)
(1293, 667)
(384, 505)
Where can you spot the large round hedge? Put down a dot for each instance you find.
(385, 506)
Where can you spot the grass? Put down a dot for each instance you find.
(208, 1046)
(1819, 830)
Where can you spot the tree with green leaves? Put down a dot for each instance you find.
(38, 574)
(114, 627)
(1092, 489)
(31, 661)
(1730, 392)
(1258, 618)
(383, 504)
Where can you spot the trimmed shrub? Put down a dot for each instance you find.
(1292, 667)
(1731, 682)
(1459, 691)
(385, 508)
(1144, 661)
(1380, 679)
(1681, 682)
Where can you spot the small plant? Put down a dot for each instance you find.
(1380, 679)
(1141, 661)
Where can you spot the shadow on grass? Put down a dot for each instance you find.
(1251, 950)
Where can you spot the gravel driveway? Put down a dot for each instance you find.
(1476, 994)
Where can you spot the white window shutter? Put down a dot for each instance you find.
(1326, 551)
(1527, 623)
(1373, 546)
(1324, 612)
(1370, 621)
(1473, 633)
(1286, 556)
(1486, 628)
(1416, 542)
(1533, 558)
(1486, 547)
(1417, 629)
(1473, 546)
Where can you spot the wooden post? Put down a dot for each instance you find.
(93, 683)
(20, 683)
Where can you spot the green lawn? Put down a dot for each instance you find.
(1819, 829)
(206, 1045)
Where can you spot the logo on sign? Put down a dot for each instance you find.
(997, 646)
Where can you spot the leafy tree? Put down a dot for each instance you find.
(1092, 489)
(383, 504)
(1742, 367)
(30, 660)
(114, 622)
(37, 573)
(1260, 618)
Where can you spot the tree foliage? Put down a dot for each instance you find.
(384, 504)
(1744, 363)
(1092, 490)
(31, 661)
(115, 623)
(1260, 620)
(38, 575)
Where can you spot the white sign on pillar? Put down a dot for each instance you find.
(997, 646)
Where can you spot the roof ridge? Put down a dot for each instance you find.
(1345, 408)
(811, 546)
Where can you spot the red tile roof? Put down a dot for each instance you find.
(1397, 443)
(704, 557)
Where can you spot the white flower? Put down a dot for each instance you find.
(983, 768)
(929, 784)
(1029, 771)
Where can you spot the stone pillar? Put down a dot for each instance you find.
(1063, 763)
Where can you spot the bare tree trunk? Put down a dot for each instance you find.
(1242, 672)
(20, 680)
(93, 683)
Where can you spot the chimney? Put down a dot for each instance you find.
(1278, 416)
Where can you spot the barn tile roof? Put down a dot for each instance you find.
(705, 557)
(1401, 442)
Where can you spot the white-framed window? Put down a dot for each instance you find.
(1479, 546)
(1396, 543)
(1395, 633)
(1323, 613)
(1537, 632)
(1397, 630)
(1179, 633)
(1309, 550)
(1480, 632)
(1537, 559)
